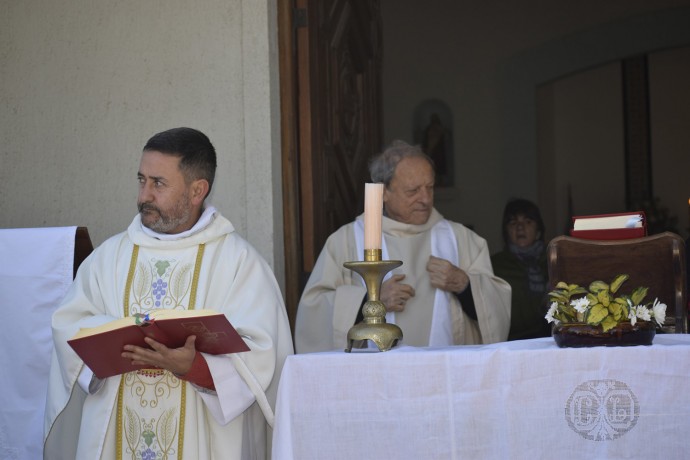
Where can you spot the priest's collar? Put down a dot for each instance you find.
(396, 228)
(204, 221)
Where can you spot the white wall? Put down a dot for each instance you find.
(581, 140)
(582, 162)
(85, 84)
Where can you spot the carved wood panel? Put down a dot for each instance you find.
(345, 73)
(330, 55)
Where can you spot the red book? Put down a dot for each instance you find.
(619, 226)
(101, 347)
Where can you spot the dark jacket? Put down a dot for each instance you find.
(527, 307)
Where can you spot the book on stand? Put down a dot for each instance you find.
(101, 347)
(617, 226)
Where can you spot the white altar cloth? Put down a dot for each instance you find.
(36, 267)
(514, 400)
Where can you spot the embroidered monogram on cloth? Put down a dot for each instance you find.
(602, 410)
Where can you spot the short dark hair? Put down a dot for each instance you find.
(382, 166)
(517, 207)
(197, 155)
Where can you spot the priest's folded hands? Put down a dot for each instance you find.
(446, 276)
(395, 294)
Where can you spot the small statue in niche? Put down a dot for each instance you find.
(435, 144)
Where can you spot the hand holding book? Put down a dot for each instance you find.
(101, 347)
(158, 356)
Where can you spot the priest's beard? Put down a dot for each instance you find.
(165, 221)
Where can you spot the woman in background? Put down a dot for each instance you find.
(522, 263)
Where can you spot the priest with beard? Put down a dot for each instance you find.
(445, 293)
(178, 253)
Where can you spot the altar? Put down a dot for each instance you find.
(524, 399)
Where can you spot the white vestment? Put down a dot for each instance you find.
(212, 268)
(333, 295)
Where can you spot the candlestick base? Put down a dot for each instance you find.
(374, 327)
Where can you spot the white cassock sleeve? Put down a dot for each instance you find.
(232, 395)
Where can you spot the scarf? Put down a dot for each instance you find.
(530, 257)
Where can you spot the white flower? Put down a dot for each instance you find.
(644, 313)
(580, 304)
(632, 315)
(552, 310)
(659, 310)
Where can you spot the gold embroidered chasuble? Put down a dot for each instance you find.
(153, 414)
(151, 402)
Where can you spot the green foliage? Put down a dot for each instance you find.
(598, 305)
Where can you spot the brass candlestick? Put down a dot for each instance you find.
(374, 326)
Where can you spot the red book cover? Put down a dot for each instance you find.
(620, 233)
(101, 347)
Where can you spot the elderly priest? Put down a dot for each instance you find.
(177, 254)
(445, 292)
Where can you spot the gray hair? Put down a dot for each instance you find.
(382, 166)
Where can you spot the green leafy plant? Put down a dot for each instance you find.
(601, 304)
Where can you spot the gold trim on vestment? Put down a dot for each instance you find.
(183, 412)
(183, 387)
(195, 278)
(130, 278)
(191, 306)
(118, 418)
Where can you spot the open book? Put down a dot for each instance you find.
(610, 226)
(606, 222)
(101, 347)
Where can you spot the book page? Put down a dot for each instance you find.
(132, 321)
(608, 222)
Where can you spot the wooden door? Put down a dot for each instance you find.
(330, 54)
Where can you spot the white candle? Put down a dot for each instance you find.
(373, 211)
